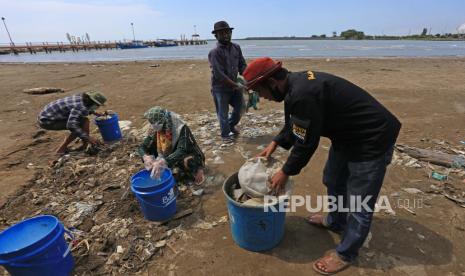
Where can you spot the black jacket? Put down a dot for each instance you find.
(320, 104)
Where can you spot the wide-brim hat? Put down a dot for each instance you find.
(97, 97)
(221, 25)
(260, 70)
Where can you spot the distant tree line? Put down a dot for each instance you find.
(353, 34)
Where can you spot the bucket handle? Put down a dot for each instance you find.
(70, 246)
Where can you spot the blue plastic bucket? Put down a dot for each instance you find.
(251, 227)
(109, 128)
(142, 182)
(159, 204)
(36, 246)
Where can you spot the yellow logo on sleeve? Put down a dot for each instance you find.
(310, 75)
(299, 132)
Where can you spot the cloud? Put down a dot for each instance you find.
(30, 20)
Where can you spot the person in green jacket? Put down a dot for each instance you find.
(170, 143)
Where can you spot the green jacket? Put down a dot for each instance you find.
(184, 147)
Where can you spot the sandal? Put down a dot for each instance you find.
(330, 264)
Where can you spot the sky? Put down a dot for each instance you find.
(50, 20)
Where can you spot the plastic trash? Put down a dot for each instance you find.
(253, 100)
(253, 178)
(438, 176)
(155, 165)
(458, 162)
(254, 202)
(125, 125)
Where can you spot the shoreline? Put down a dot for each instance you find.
(317, 58)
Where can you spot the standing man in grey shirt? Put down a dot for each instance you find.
(226, 61)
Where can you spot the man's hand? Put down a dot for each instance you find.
(278, 182)
(93, 141)
(268, 151)
(239, 86)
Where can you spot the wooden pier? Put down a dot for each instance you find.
(191, 42)
(48, 47)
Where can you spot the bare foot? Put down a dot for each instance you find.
(317, 220)
(320, 221)
(330, 264)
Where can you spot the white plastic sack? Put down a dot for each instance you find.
(253, 178)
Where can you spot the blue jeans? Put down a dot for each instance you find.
(347, 179)
(223, 99)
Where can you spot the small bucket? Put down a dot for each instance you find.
(109, 129)
(160, 203)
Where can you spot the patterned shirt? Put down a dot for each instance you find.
(185, 146)
(71, 109)
(225, 62)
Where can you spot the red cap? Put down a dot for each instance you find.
(259, 70)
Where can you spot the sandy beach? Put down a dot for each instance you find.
(426, 94)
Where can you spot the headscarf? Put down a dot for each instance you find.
(172, 125)
(159, 115)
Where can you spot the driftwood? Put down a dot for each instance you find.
(433, 157)
(459, 201)
(43, 90)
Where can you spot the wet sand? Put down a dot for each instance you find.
(427, 95)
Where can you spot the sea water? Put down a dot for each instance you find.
(260, 48)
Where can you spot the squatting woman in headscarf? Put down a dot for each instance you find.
(171, 144)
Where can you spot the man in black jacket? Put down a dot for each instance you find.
(362, 132)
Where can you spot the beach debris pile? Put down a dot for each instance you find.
(442, 163)
(91, 196)
(206, 130)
